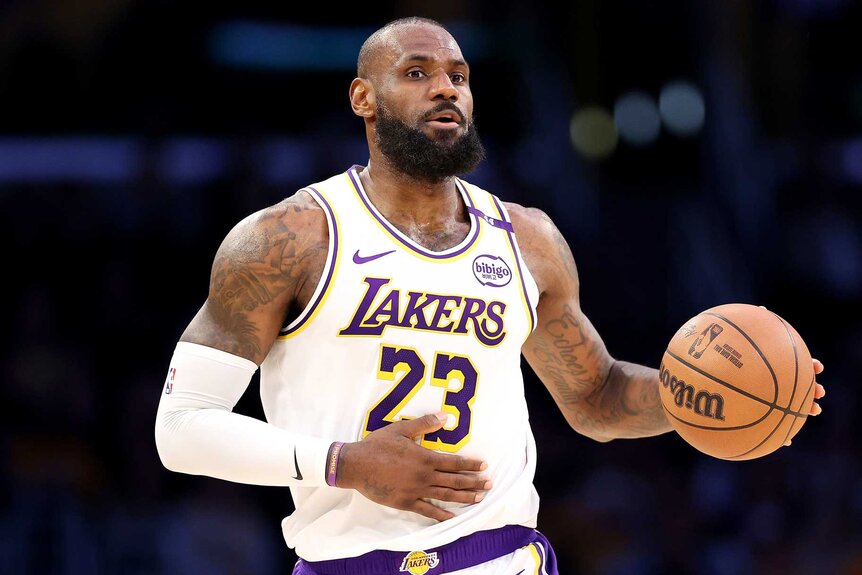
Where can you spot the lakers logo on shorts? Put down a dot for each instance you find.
(419, 562)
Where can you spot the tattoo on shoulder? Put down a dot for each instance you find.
(259, 263)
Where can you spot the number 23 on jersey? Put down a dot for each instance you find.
(407, 369)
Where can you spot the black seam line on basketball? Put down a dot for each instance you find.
(765, 439)
(757, 349)
(707, 427)
(795, 359)
(786, 410)
(804, 398)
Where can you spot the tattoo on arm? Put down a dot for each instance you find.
(628, 401)
(568, 358)
(599, 396)
(602, 397)
(258, 266)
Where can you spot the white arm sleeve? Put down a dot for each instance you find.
(196, 432)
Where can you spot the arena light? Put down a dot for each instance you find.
(636, 118)
(681, 108)
(593, 132)
(266, 46)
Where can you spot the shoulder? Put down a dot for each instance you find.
(530, 223)
(543, 246)
(296, 220)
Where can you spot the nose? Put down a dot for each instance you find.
(442, 87)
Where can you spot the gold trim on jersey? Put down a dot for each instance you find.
(531, 313)
(330, 271)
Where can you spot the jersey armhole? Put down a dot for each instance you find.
(528, 283)
(322, 288)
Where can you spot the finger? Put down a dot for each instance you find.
(819, 391)
(818, 366)
(449, 462)
(455, 495)
(462, 481)
(816, 409)
(432, 511)
(413, 428)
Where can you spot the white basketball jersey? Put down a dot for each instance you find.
(396, 331)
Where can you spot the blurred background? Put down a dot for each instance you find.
(693, 154)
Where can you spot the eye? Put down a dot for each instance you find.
(415, 73)
(458, 78)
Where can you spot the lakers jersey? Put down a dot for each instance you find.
(397, 331)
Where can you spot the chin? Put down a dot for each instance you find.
(444, 136)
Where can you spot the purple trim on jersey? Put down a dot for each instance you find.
(546, 552)
(309, 310)
(518, 263)
(474, 549)
(397, 235)
(502, 224)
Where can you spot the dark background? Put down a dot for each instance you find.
(134, 134)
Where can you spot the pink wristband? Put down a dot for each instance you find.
(332, 463)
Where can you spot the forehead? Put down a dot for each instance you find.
(424, 40)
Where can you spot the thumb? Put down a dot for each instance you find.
(421, 425)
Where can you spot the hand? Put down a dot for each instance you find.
(819, 392)
(389, 468)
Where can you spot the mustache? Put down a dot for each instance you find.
(442, 106)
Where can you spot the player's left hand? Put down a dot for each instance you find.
(819, 392)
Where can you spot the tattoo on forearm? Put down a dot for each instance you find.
(564, 355)
(603, 397)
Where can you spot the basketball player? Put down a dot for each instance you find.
(387, 308)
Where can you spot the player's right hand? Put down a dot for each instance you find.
(389, 468)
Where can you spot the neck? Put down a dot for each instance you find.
(407, 202)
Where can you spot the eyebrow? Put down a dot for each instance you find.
(426, 58)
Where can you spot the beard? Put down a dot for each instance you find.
(416, 155)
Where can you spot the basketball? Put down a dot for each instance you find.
(737, 381)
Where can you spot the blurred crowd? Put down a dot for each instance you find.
(128, 150)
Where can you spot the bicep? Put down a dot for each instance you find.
(241, 315)
(256, 275)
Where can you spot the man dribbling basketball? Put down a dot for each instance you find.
(375, 298)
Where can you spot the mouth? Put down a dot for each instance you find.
(445, 119)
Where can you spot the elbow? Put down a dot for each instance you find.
(164, 449)
(594, 434)
(589, 428)
(168, 446)
(601, 438)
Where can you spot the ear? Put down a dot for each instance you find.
(362, 98)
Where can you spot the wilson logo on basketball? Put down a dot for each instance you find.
(701, 402)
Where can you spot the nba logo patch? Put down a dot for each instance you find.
(419, 563)
(169, 382)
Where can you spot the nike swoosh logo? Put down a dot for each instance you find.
(519, 572)
(358, 259)
(296, 464)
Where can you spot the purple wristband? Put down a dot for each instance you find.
(332, 463)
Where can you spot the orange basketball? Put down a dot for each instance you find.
(737, 381)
